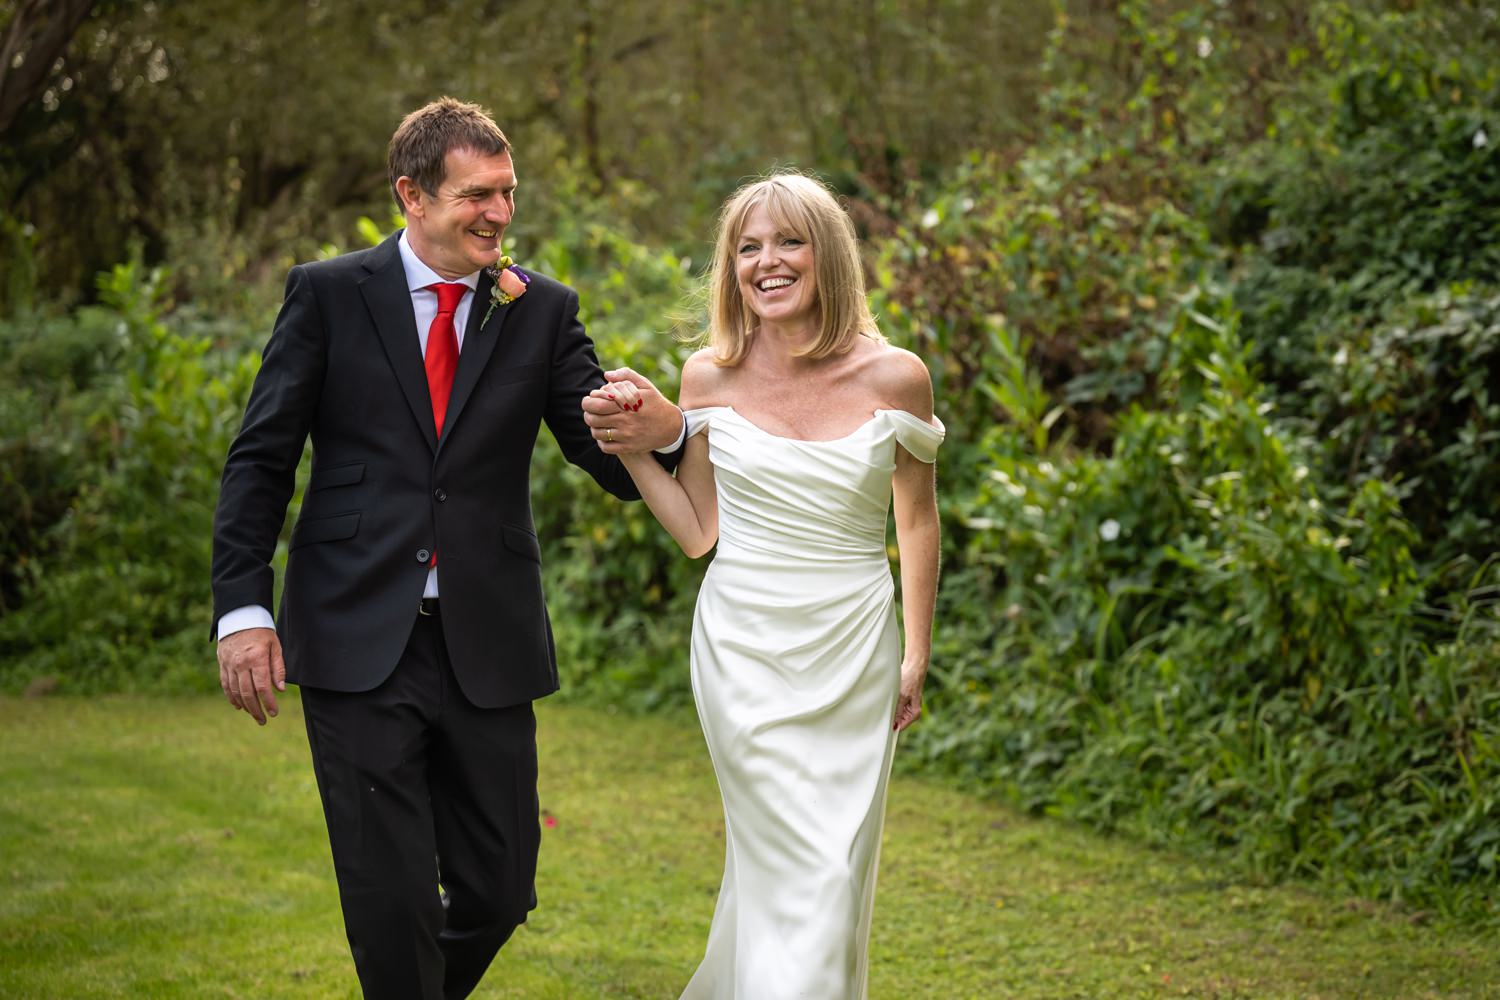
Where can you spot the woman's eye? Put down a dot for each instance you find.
(748, 248)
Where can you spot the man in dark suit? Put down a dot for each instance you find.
(412, 613)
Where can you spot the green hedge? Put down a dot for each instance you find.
(1221, 555)
(117, 429)
(1181, 639)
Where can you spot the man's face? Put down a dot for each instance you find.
(457, 230)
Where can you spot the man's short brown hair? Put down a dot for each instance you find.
(425, 136)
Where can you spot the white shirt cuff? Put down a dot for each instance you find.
(681, 437)
(240, 619)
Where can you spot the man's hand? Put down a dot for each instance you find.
(631, 416)
(251, 671)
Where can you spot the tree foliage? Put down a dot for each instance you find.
(231, 137)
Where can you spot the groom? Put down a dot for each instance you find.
(412, 612)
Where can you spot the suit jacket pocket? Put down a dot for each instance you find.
(338, 475)
(324, 529)
(521, 542)
(518, 373)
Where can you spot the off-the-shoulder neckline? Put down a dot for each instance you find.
(838, 440)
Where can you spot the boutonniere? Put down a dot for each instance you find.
(510, 284)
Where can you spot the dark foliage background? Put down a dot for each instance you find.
(1209, 292)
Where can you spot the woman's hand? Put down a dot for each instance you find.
(623, 394)
(909, 702)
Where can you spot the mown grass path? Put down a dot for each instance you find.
(169, 848)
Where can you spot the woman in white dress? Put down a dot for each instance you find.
(802, 423)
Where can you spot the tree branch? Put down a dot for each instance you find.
(39, 31)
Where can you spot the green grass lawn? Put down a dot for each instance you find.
(169, 848)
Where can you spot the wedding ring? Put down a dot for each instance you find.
(609, 435)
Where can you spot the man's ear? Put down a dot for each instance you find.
(411, 196)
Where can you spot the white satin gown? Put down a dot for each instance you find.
(796, 663)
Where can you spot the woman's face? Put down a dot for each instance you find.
(775, 271)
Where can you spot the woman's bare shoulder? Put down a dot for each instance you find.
(901, 380)
(704, 383)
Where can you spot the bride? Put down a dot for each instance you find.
(802, 423)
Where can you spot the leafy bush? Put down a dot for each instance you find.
(1041, 252)
(119, 598)
(1367, 256)
(1415, 401)
(619, 590)
(1193, 647)
(53, 379)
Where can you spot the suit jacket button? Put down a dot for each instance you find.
(423, 556)
(440, 494)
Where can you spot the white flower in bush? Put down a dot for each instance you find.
(1109, 530)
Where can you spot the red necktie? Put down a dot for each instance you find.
(442, 349)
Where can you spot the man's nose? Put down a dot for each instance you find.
(498, 210)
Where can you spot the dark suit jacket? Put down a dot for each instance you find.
(344, 364)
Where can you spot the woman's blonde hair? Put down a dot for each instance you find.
(804, 208)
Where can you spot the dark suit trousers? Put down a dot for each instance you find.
(411, 772)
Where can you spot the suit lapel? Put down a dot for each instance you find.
(480, 339)
(389, 302)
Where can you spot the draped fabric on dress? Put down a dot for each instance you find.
(796, 663)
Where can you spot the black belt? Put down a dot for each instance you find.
(427, 606)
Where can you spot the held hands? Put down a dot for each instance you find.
(627, 415)
(251, 671)
(909, 701)
(624, 395)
